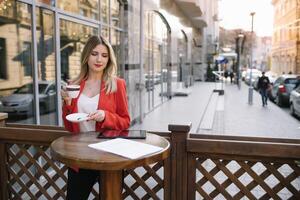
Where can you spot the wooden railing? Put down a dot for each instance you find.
(199, 167)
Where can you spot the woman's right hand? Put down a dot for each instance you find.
(65, 97)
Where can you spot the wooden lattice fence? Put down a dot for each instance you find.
(199, 167)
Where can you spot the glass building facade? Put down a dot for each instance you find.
(41, 43)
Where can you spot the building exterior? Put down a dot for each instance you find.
(286, 40)
(160, 46)
(262, 53)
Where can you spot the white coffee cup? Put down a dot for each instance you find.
(73, 90)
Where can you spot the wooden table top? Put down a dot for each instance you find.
(73, 151)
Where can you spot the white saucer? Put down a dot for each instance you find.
(77, 117)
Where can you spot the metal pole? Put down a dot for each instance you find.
(250, 95)
(141, 59)
(237, 61)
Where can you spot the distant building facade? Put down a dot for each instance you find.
(286, 40)
(262, 53)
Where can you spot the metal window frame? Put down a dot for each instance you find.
(141, 59)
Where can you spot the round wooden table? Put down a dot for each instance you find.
(73, 151)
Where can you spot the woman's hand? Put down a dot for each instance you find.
(65, 97)
(98, 115)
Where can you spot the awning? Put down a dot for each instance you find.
(221, 60)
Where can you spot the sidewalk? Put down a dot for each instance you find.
(244, 119)
(230, 114)
(179, 110)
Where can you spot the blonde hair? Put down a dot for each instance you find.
(109, 73)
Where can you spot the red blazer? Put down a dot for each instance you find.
(115, 106)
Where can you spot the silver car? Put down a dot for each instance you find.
(295, 101)
(282, 88)
(21, 101)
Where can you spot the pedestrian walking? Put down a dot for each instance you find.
(231, 75)
(263, 87)
(226, 74)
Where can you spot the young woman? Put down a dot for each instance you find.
(103, 96)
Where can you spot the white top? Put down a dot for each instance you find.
(87, 105)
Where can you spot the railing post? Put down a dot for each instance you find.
(3, 117)
(179, 134)
(3, 161)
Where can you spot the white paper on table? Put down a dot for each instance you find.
(126, 148)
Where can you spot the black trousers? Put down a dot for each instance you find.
(80, 184)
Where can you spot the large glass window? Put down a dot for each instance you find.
(116, 44)
(46, 66)
(85, 8)
(16, 48)
(73, 36)
(16, 94)
(155, 72)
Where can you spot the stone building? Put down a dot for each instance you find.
(286, 40)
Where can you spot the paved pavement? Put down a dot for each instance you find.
(179, 110)
(240, 118)
(231, 114)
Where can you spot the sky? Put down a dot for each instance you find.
(235, 14)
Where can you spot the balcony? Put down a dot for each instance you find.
(200, 166)
(189, 11)
(190, 8)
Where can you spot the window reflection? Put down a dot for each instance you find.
(182, 50)
(16, 63)
(115, 13)
(104, 10)
(3, 68)
(105, 32)
(46, 66)
(85, 8)
(155, 54)
(16, 47)
(48, 2)
(116, 44)
(72, 39)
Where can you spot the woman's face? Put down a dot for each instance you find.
(98, 58)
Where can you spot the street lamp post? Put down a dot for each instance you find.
(250, 94)
(239, 50)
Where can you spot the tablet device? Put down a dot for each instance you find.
(129, 134)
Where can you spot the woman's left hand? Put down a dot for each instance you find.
(98, 115)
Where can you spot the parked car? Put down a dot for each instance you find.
(21, 101)
(282, 88)
(295, 101)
